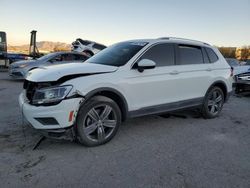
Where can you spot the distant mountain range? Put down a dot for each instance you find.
(43, 46)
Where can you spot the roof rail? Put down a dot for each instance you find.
(177, 38)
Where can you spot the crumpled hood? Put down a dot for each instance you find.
(54, 73)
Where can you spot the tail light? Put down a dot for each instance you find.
(232, 72)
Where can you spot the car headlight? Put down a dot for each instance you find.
(51, 95)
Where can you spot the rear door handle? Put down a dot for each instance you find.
(174, 72)
(208, 69)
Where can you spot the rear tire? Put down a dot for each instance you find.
(97, 121)
(213, 103)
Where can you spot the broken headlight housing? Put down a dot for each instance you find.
(50, 95)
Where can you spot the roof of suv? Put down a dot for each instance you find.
(173, 39)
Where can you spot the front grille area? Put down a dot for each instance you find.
(31, 87)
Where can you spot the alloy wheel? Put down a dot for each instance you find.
(99, 123)
(215, 102)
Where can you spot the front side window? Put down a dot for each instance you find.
(67, 57)
(190, 55)
(56, 58)
(118, 54)
(161, 54)
(47, 57)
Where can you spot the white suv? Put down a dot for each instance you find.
(128, 79)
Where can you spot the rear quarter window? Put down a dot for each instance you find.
(211, 55)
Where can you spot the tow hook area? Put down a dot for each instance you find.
(69, 133)
(59, 134)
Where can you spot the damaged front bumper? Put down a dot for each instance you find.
(55, 118)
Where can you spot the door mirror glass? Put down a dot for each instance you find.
(145, 64)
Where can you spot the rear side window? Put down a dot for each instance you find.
(67, 57)
(211, 55)
(161, 54)
(190, 55)
(78, 57)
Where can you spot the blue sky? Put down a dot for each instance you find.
(219, 22)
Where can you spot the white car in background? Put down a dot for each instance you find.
(88, 47)
(237, 67)
(128, 79)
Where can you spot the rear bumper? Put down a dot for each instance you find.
(50, 117)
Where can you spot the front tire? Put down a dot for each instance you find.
(98, 121)
(213, 103)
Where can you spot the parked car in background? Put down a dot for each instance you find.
(88, 47)
(19, 70)
(128, 79)
(248, 62)
(237, 67)
(243, 62)
(13, 57)
(242, 82)
(233, 62)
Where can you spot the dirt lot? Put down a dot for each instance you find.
(183, 150)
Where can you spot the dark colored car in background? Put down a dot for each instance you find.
(13, 57)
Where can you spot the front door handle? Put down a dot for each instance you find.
(208, 69)
(174, 72)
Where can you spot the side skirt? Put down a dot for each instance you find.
(169, 107)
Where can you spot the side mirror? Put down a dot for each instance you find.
(145, 64)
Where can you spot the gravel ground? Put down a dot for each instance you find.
(182, 150)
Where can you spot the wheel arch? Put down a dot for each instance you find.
(222, 85)
(114, 95)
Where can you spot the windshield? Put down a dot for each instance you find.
(118, 54)
(48, 56)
